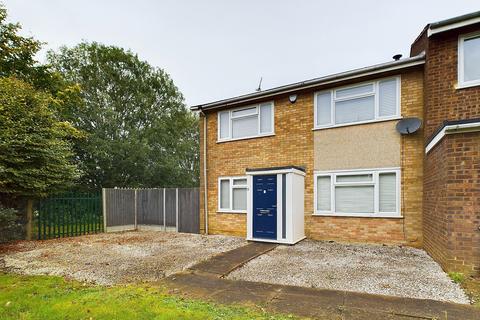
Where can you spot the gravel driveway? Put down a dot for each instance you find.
(387, 270)
(111, 258)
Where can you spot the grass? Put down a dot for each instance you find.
(457, 277)
(46, 297)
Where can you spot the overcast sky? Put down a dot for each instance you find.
(217, 49)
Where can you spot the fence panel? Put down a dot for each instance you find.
(120, 211)
(127, 209)
(171, 207)
(150, 207)
(189, 210)
(68, 215)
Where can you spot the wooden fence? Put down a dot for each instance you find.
(174, 209)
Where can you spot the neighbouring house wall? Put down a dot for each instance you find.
(376, 145)
(452, 202)
(443, 100)
(451, 215)
(293, 144)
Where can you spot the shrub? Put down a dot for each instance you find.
(11, 227)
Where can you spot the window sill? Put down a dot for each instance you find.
(231, 212)
(357, 123)
(346, 215)
(467, 85)
(246, 138)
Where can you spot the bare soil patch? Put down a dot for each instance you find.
(111, 258)
(377, 269)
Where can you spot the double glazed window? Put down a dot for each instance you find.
(248, 122)
(363, 193)
(366, 102)
(469, 60)
(232, 194)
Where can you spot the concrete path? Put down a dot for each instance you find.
(205, 281)
(224, 263)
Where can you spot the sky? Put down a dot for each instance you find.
(216, 49)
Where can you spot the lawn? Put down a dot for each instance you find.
(46, 297)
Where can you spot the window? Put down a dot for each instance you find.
(248, 122)
(358, 193)
(469, 60)
(232, 195)
(366, 102)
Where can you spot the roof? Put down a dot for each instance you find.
(329, 79)
(453, 23)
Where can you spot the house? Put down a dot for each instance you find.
(324, 159)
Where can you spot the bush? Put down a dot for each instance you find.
(11, 227)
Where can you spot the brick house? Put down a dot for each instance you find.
(324, 159)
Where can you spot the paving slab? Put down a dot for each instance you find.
(314, 303)
(206, 281)
(224, 263)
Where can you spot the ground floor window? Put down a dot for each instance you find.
(232, 194)
(358, 193)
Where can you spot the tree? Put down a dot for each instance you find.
(139, 132)
(35, 146)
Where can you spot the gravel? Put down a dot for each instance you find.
(377, 269)
(112, 258)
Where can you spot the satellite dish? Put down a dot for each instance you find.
(408, 125)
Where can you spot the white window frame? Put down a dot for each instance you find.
(461, 62)
(242, 186)
(257, 114)
(375, 182)
(375, 93)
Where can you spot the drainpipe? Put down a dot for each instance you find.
(205, 196)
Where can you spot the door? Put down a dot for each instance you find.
(265, 207)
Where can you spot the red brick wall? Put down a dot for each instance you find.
(435, 224)
(463, 200)
(451, 185)
(443, 100)
(452, 202)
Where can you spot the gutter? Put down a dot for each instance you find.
(452, 127)
(334, 78)
(453, 23)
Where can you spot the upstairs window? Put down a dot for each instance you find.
(372, 101)
(246, 122)
(469, 60)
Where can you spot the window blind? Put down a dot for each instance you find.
(354, 199)
(324, 193)
(387, 98)
(388, 191)
(266, 118)
(355, 110)
(324, 110)
(225, 194)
